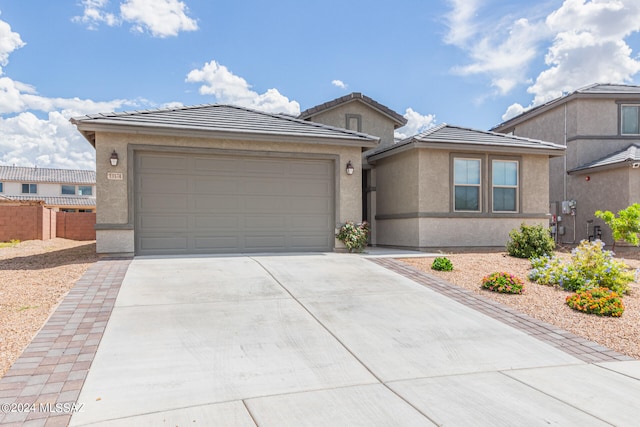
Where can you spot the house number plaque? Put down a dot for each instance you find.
(115, 175)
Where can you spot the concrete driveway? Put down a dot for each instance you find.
(328, 340)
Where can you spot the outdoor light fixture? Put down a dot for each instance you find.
(114, 158)
(349, 168)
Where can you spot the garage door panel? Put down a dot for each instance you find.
(170, 244)
(161, 184)
(165, 164)
(216, 243)
(220, 204)
(164, 222)
(223, 203)
(216, 222)
(311, 169)
(205, 185)
(153, 203)
(223, 166)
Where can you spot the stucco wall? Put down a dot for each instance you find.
(417, 213)
(113, 203)
(397, 184)
(373, 123)
(597, 117)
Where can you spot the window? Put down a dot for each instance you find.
(85, 190)
(630, 121)
(466, 184)
(505, 185)
(68, 189)
(29, 188)
(82, 190)
(1, 188)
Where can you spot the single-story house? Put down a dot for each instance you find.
(63, 190)
(221, 178)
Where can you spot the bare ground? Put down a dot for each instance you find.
(34, 277)
(545, 303)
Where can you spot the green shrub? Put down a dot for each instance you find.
(530, 241)
(600, 301)
(503, 282)
(625, 226)
(442, 264)
(590, 267)
(354, 236)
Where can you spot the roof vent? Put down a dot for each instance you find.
(635, 165)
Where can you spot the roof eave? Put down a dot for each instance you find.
(89, 128)
(476, 148)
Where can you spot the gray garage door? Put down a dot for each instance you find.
(216, 204)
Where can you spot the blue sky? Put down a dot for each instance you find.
(465, 62)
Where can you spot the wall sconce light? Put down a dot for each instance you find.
(114, 158)
(587, 178)
(349, 168)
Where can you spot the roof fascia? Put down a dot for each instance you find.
(91, 128)
(393, 150)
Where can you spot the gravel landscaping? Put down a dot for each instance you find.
(545, 303)
(34, 277)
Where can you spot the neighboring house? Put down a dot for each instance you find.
(600, 127)
(62, 190)
(221, 178)
(456, 187)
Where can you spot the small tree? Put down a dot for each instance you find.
(625, 226)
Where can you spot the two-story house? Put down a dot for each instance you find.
(63, 190)
(600, 127)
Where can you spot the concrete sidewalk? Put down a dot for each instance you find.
(328, 340)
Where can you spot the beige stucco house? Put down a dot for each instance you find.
(457, 187)
(600, 127)
(221, 178)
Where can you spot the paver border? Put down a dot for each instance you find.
(43, 384)
(581, 348)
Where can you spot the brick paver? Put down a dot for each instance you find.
(574, 345)
(42, 386)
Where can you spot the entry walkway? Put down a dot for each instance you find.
(323, 339)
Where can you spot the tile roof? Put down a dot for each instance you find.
(355, 96)
(631, 154)
(599, 90)
(35, 174)
(56, 200)
(227, 119)
(467, 138)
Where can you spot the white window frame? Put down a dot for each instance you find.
(478, 186)
(622, 107)
(515, 187)
(29, 192)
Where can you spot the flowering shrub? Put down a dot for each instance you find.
(600, 301)
(503, 282)
(442, 264)
(354, 236)
(590, 267)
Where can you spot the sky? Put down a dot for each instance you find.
(471, 63)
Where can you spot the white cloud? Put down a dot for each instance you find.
(416, 123)
(461, 22)
(94, 14)
(589, 47)
(49, 140)
(228, 88)
(339, 83)
(9, 41)
(162, 18)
